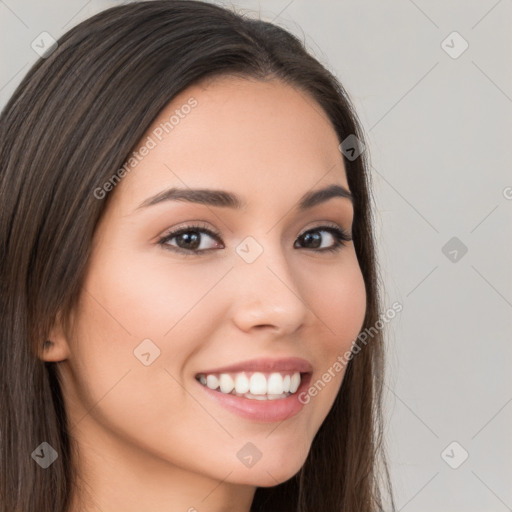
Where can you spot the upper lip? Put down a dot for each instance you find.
(285, 364)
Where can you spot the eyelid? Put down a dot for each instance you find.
(327, 224)
(190, 226)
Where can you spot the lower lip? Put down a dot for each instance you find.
(262, 410)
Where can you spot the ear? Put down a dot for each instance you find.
(56, 347)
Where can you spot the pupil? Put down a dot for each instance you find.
(315, 237)
(190, 240)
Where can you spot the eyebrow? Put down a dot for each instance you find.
(224, 199)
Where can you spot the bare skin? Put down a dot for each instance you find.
(150, 437)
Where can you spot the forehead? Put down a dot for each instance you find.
(262, 139)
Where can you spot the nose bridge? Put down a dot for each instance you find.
(268, 292)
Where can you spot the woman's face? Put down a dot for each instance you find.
(241, 286)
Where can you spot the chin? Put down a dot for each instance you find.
(264, 477)
(269, 473)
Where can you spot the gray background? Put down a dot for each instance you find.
(439, 136)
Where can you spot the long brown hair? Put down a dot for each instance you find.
(68, 127)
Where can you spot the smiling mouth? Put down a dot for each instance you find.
(253, 385)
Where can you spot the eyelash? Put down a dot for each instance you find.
(340, 236)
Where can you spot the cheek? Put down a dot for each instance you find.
(122, 305)
(338, 298)
(150, 295)
(345, 307)
(128, 301)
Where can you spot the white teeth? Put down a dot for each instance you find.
(226, 383)
(256, 397)
(286, 384)
(212, 382)
(275, 384)
(294, 382)
(242, 383)
(258, 386)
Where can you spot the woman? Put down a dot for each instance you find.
(187, 261)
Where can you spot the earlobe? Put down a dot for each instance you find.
(56, 348)
(54, 351)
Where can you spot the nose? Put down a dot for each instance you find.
(268, 295)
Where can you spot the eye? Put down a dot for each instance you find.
(316, 242)
(190, 240)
